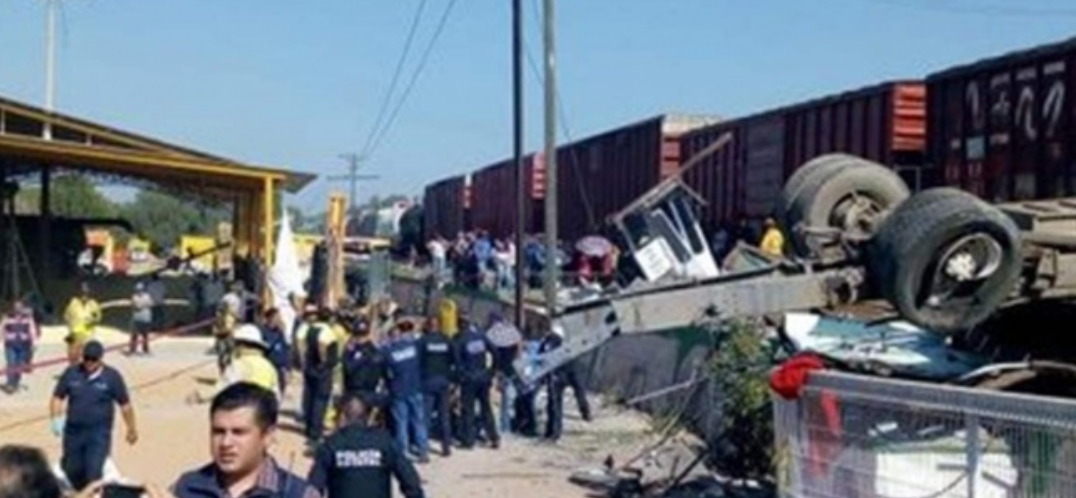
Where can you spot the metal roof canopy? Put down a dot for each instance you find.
(81, 144)
(54, 140)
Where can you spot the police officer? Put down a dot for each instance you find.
(90, 389)
(19, 332)
(359, 460)
(405, 388)
(320, 357)
(561, 378)
(436, 355)
(473, 363)
(365, 366)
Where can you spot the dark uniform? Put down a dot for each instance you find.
(405, 385)
(318, 379)
(475, 377)
(359, 461)
(436, 355)
(87, 433)
(273, 482)
(561, 378)
(364, 372)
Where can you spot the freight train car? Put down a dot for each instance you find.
(1002, 128)
(600, 175)
(493, 200)
(446, 206)
(885, 123)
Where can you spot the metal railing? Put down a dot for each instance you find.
(851, 436)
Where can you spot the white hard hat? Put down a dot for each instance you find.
(250, 334)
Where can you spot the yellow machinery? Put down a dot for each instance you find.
(201, 245)
(335, 224)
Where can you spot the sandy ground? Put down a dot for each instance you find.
(174, 434)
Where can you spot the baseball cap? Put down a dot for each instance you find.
(93, 351)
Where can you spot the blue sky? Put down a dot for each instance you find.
(294, 84)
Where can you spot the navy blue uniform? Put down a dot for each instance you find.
(273, 482)
(561, 378)
(91, 410)
(405, 386)
(474, 374)
(365, 368)
(360, 461)
(279, 353)
(438, 362)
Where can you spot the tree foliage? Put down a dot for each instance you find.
(163, 219)
(70, 196)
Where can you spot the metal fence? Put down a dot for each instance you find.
(850, 436)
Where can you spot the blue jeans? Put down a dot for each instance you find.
(508, 402)
(16, 358)
(85, 450)
(439, 265)
(410, 415)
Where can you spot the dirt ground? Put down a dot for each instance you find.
(174, 434)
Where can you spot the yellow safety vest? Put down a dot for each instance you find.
(449, 318)
(252, 366)
(773, 243)
(81, 317)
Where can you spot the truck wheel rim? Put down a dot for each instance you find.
(965, 265)
(857, 215)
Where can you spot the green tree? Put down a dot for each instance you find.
(71, 196)
(163, 219)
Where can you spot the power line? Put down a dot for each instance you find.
(395, 76)
(414, 77)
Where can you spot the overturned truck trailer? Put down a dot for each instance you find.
(943, 259)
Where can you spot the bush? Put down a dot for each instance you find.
(741, 443)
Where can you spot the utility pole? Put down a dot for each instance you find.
(352, 177)
(551, 236)
(50, 54)
(517, 144)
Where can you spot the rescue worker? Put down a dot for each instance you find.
(82, 316)
(359, 460)
(321, 354)
(243, 422)
(773, 241)
(473, 361)
(20, 332)
(405, 388)
(437, 361)
(449, 317)
(229, 311)
(90, 390)
(365, 367)
(250, 364)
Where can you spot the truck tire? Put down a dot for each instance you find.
(945, 259)
(821, 166)
(850, 194)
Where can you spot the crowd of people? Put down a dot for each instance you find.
(377, 390)
(479, 260)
